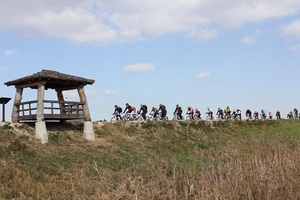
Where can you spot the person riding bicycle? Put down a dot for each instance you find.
(129, 108)
(238, 114)
(210, 112)
(163, 110)
(263, 114)
(117, 112)
(178, 111)
(296, 113)
(220, 113)
(143, 110)
(278, 115)
(290, 115)
(154, 111)
(190, 112)
(255, 115)
(228, 109)
(270, 115)
(197, 114)
(248, 113)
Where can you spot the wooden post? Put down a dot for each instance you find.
(40, 125)
(40, 102)
(88, 130)
(60, 97)
(85, 107)
(15, 111)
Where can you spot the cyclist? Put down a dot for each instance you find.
(220, 113)
(178, 111)
(238, 114)
(210, 112)
(190, 112)
(163, 110)
(143, 110)
(117, 112)
(255, 115)
(263, 114)
(197, 114)
(154, 111)
(295, 113)
(129, 108)
(290, 115)
(270, 115)
(228, 109)
(248, 114)
(278, 116)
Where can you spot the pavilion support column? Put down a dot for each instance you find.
(15, 111)
(60, 97)
(40, 125)
(88, 130)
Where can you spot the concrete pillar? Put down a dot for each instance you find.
(40, 125)
(88, 131)
(41, 132)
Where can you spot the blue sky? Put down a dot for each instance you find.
(199, 53)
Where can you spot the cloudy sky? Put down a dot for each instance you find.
(199, 53)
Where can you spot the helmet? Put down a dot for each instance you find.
(160, 104)
(141, 105)
(177, 105)
(189, 107)
(116, 106)
(127, 104)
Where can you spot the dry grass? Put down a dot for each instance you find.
(161, 160)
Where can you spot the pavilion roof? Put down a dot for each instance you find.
(53, 80)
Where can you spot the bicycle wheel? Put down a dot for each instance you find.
(140, 118)
(188, 118)
(113, 119)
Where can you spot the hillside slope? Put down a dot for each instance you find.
(153, 160)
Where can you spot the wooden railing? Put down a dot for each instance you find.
(52, 110)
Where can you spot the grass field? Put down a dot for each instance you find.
(153, 160)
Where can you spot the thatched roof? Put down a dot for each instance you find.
(53, 79)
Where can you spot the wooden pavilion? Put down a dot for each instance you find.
(41, 110)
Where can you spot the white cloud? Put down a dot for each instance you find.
(110, 92)
(292, 29)
(203, 75)
(139, 67)
(248, 40)
(296, 47)
(117, 21)
(11, 52)
(203, 34)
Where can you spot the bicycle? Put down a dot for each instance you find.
(209, 116)
(177, 117)
(157, 117)
(189, 117)
(116, 117)
(129, 116)
(219, 117)
(140, 117)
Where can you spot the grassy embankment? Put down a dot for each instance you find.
(154, 160)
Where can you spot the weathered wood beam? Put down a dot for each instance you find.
(40, 102)
(83, 100)
(17, 101)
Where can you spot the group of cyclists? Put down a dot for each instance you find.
(160, 113)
